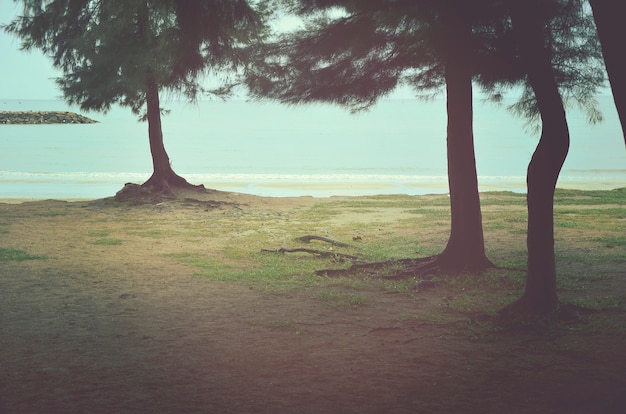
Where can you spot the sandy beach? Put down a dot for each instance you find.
(109, 308)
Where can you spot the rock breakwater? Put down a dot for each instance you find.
(43, 117)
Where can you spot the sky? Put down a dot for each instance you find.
(23, 75)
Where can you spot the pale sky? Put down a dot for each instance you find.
(23, 75)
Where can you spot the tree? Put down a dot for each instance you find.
(548, 39)
(466, 247)
(352, 53)
(125, 52)
(546, 162)
(609, 20)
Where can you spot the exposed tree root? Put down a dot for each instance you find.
(169, 183)
(154, 191)
(309, 237)
(404, 268)
(322, 253)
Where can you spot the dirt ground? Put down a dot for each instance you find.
(126, 329)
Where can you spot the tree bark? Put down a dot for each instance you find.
(540, 295)
(610, 24)
(466, 248)
(163, 176)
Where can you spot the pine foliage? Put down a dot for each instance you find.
(106, 48)
(354, 52)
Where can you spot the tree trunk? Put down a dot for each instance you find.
(466, 248)
(163, 178)
(540, 294)
(610, 24)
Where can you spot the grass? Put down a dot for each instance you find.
(589, 228)
(17, 255)
(590, 247)
(580, 197)
(103, 239)
(617, 303)
(52, 214)
(107, 242)
(612, 241)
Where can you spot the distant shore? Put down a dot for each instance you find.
(43, 117)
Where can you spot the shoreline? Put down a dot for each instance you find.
(84, 186)
(491, 189)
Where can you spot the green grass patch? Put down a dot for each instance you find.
(107, 242)
(578, 282)
(393, 248)
(17, 255)
(431, 213)
(256, 267)
(566, 224)
(616, 303)
(612, 241)
(99, 233)
(582, 197)
(588, 257)
(396, 201)
(103, 238)
(502, 198)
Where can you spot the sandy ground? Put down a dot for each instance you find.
(126, 329)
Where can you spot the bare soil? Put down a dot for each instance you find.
(124, 328)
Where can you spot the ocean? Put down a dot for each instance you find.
(397, 147)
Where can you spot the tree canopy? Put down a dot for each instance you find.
(105, 48)
(126, 52)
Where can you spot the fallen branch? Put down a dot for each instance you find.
(335, 255)
(308, 238)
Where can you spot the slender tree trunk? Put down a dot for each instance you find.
(540, 295)
(466, 248)
(610, 24)
(163, 177)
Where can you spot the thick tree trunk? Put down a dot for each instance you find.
(540, 295)
(466, 248)
(610, 24)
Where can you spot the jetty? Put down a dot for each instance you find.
(43, 117)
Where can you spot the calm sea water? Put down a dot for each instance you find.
(269, 149)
